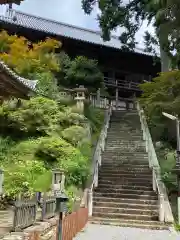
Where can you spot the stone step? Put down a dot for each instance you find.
(131, 211)
(124, 165)
(125, 175)
(115, 155)
(126, 144)
(125, 195)
(130, 156)
(117, 170)
(124, 200)
(120, 130)
(154, 225)
(130, 183)
(125, 205)
(123, 170)
(124, 191)
(123, 127)
(127, 138)
(122, 149)
(123, 135)
(115, 186)
(125, 151)
(117, 143)
(124, 179)
(124, 141)
(123, 161)
(127, 179)
(145, 217)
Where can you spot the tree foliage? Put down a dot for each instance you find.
(162, 13)
(80, 71)
(38, 116)
(75, 135)
(162, 95)
(28, 58)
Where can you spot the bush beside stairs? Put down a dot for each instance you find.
(124, 196)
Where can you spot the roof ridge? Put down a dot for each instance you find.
(71, 26)
(59, 22)
(71, 31)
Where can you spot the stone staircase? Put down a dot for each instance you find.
(124, 195)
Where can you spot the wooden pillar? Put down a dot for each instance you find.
(127, 104)
(117, 96)
(98, 97)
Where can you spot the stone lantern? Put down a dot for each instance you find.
(80, 97)
(1, 180)
(58, 180)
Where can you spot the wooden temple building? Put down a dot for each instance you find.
(123, 70)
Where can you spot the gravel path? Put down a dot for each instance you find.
(98, 232)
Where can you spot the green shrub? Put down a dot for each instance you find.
(5, 145)
(20, 176)
(58, 153)
(38, 116)
(95, 116)
(75, 135)
(74, 195)
(24, 150)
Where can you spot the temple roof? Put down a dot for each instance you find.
(10, 1)
(61, 29)
(12, 84)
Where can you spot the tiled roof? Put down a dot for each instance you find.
(31, 84)
(10, 1)
(61, 29)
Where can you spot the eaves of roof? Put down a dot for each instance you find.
(61, 29)
(29, 84)
(10, 1)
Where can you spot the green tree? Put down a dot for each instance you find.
(81, 71)
(163, 94)
(36, 61)
(28, 58)
(163, 14)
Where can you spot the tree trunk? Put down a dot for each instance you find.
(165, 61)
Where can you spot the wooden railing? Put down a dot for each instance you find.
(122, 84)
(97, 158)
(103, 102)
(24, 215)
(74, 223)
(165, 212)
(48, 208)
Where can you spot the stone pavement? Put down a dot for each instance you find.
(105, 232)
(6, 221)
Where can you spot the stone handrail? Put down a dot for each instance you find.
(165, 212)
(97, 157)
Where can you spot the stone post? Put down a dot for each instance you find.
(80, 97)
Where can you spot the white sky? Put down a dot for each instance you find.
(69, 11)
